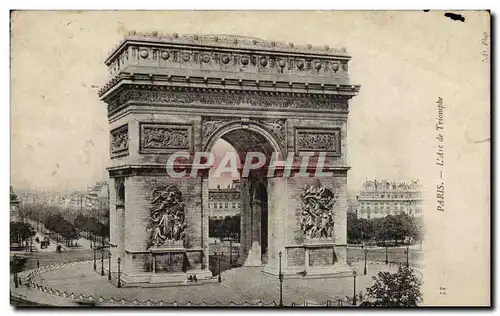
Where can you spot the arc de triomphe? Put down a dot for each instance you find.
(183, 93)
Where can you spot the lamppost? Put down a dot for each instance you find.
(14, 263)
(119, 275)
(366, 253)
(354, 274)
(95, 266)
(386, 257)
(230, 252)
(219, 258)
(102, 260)
(109, 267)
(407, 255)
(280, 275)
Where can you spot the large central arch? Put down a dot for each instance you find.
(170, 93)
(248, 136)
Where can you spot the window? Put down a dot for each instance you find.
(220, 205)
(215, 205)
(225, 204)
(234, 205)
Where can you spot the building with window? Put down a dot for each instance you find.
(14, 206)
(381, 198)
(224, 202)
(96, 201)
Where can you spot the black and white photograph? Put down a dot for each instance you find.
(273, 159)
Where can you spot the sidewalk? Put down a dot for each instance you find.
(23, 293)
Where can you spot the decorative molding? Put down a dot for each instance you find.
(165, 138)
(223, 41)
(317, 220)
(167, 217)
(211, 124)
(235, 41)
(119, 141)
(318, 140)
(278, 128)
(223, 54)
(231, 99)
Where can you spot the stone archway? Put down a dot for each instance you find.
(171, 93)
(249, 136)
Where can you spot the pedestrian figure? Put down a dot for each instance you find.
(195, 278)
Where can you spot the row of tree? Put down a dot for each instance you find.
(91, 227)
(392, 228)
(226, 228)
(20, 233)
(65, 225)
(58, 224)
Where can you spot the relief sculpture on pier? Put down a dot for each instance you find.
(317, 212)
(167, 217)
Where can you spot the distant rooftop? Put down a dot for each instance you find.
(385, 185)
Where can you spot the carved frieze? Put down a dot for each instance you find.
(318, 219)
(164, 138)
(318, 140)
(119, 141)
(235, 99)
(167, 217)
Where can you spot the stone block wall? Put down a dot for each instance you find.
(296, 257)
(322, 257)
(139, 191)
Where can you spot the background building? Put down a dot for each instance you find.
(14, 206)
(96, 201)
(224, 202)
(382, 198)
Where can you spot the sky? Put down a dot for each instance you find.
(403, 62)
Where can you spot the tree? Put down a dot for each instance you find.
(229, 227)
(17, 264)
(400, 289)
(365, 227)
(79, 222)
(353, 232)
(20, 232)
